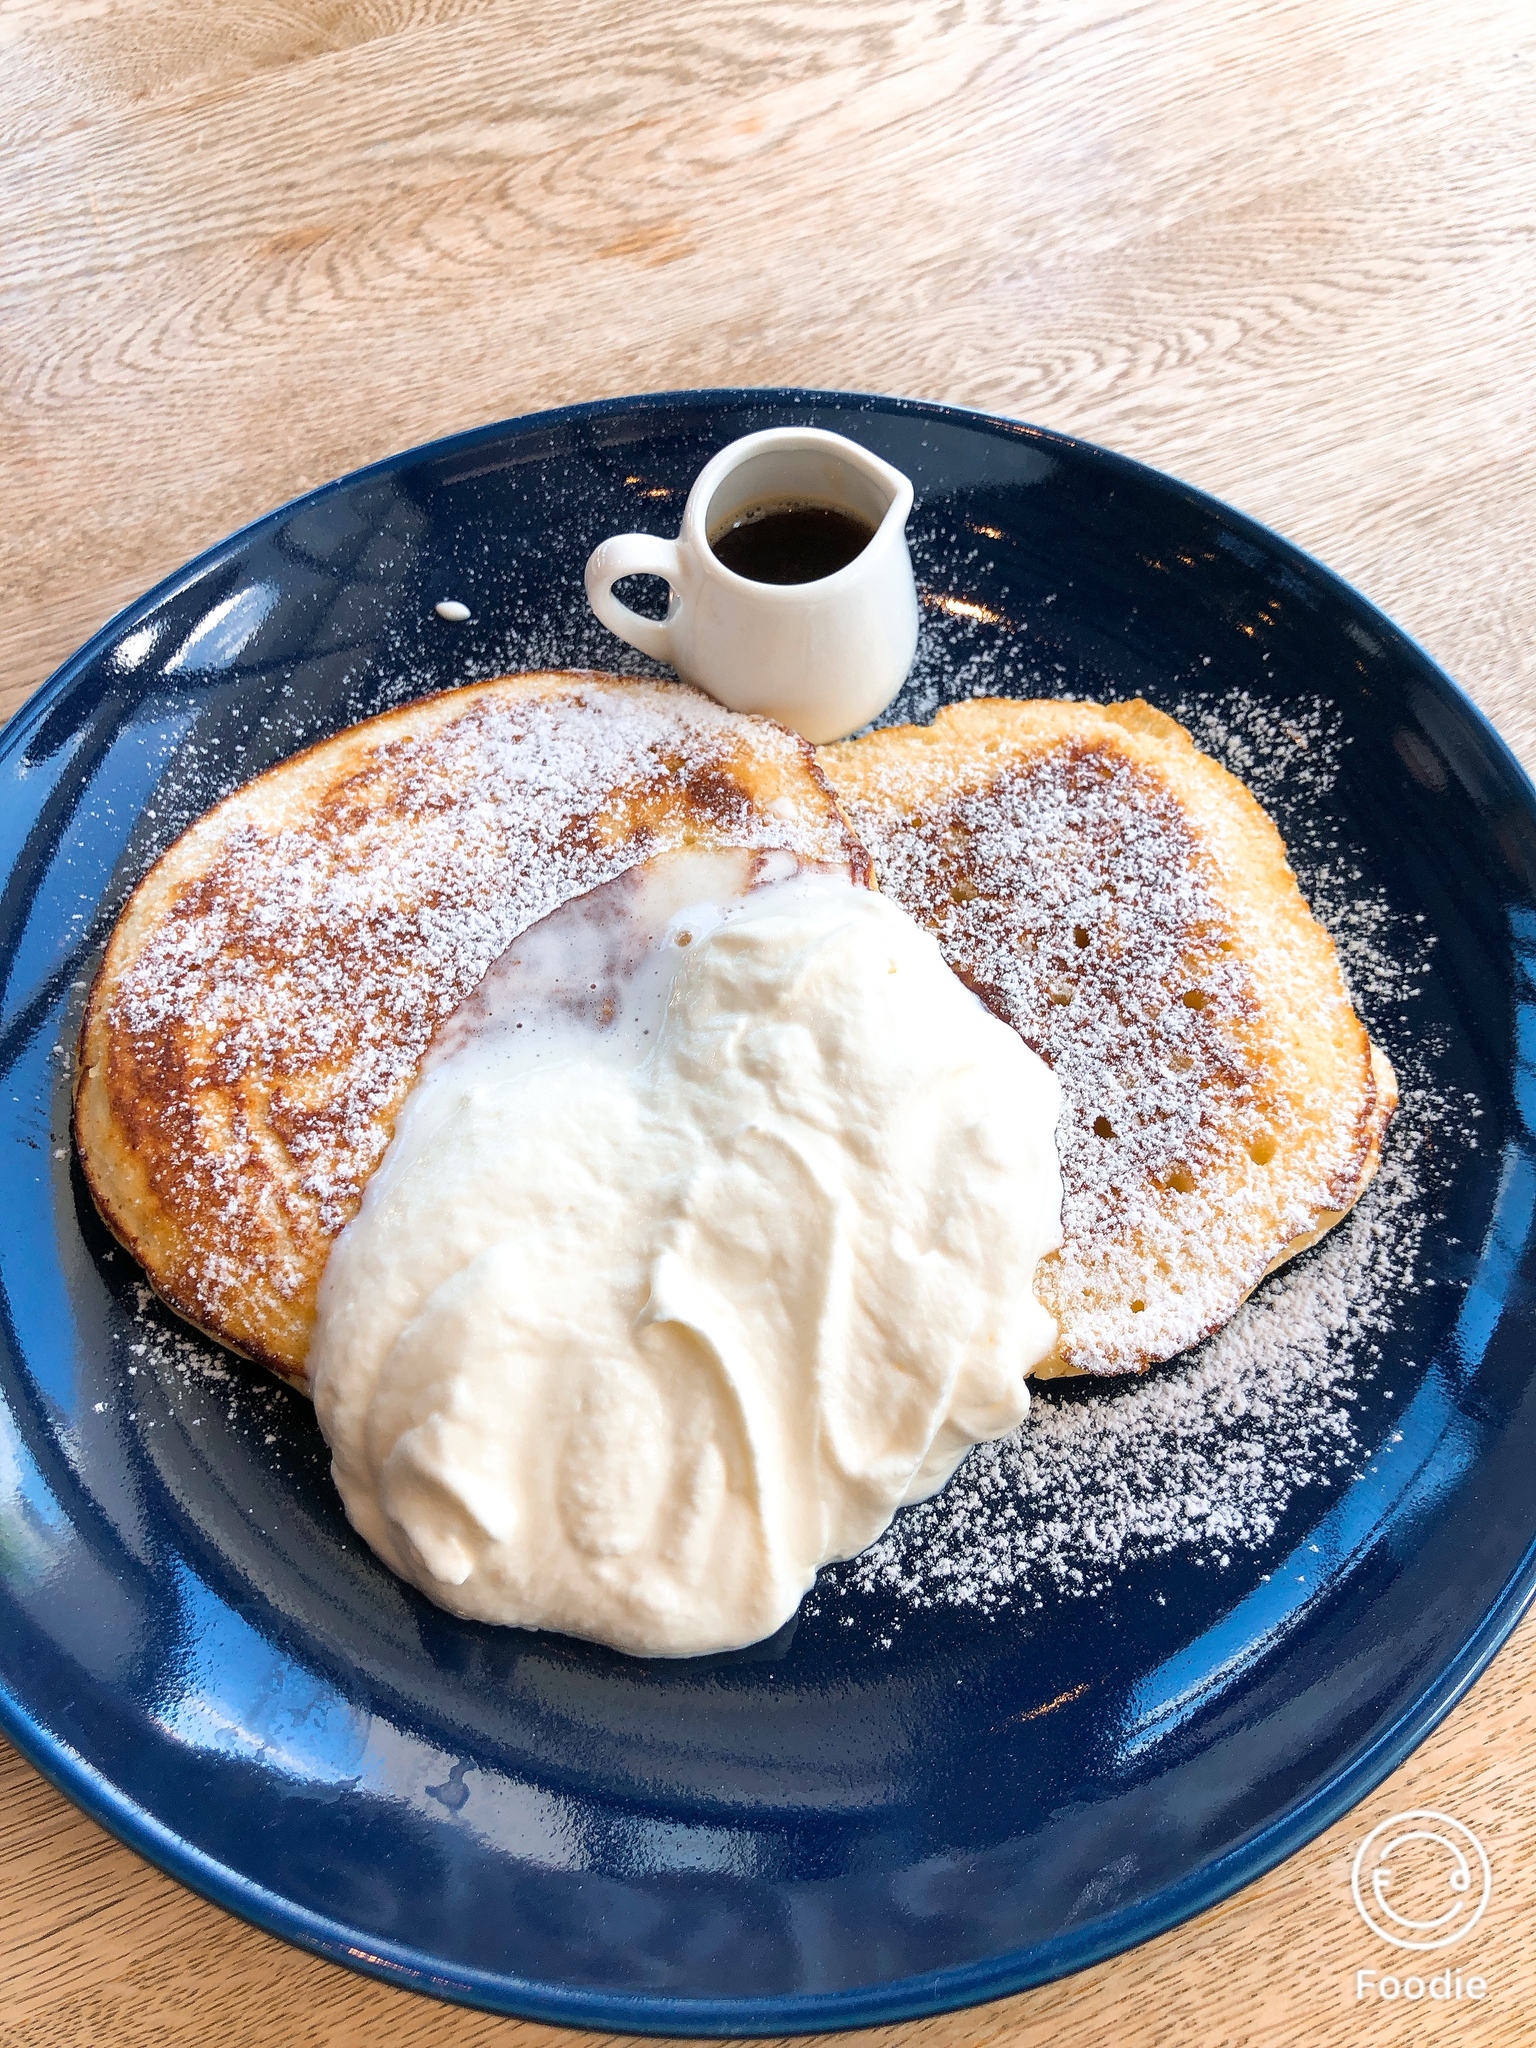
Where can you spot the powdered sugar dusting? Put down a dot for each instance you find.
(1291, 760)
(1071, 897)
(1204, 1456)
(278, 1008)
(1079, 890)
(171, 1363)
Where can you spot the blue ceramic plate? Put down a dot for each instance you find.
(1085, 1697)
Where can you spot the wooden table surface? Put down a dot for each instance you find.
(1284, 249)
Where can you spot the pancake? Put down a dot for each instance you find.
(1127, 906)
(273, 984)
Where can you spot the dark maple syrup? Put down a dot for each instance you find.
(791, 543)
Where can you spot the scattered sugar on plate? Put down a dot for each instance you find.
(1205, 1455)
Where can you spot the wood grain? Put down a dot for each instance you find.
(1283, 249)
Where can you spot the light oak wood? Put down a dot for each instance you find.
(1282, 249)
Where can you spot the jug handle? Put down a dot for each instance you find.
(636, 554)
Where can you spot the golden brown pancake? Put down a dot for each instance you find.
(1126, 905)
(274, 981)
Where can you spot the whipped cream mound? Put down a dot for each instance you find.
(705, 1240)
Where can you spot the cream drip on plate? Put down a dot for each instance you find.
(705, 1240)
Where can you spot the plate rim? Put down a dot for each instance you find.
(901, 1999)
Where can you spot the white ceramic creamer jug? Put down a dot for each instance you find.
(825, 655)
